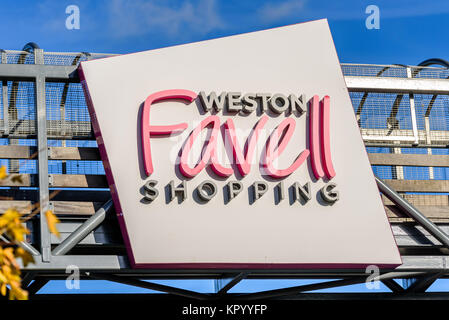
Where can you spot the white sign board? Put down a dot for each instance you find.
(238, 152)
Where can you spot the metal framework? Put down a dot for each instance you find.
(46, 137)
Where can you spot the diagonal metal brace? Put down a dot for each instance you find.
(223, 285)
(393, 285)
(79, 234)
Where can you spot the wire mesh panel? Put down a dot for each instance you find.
(430, 73)
(384, 172)
(81, 143)
(439, 172)
(75, 167)
(64, 59)
(66, 106)
(381, 115)
(67, 59)
(86, 167)
(67, 113)
(26, 166)
(393, 71)
(21, 108)
(365, 70)
(432, 113)
(413, 172)
(19, 57)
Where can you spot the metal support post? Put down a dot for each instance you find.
(398, 170)
(5, 98)
(413, 111)
(41, 113)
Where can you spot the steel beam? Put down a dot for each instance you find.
(5, 97)
(413, 110)
(41, 115)
(150, 286)
(83, 262)
(83, 230)
(395, 85)
(29, 72)
(424, 264)
(411, 266)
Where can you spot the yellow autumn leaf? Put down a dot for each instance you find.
(19, 232)
(10, 221)
(12, 225)
(10, 277)
(3, 173)
(18, 293)
(25, 256)
(52, 220)
(3, 279)
(10, 216)
(7, 272)
(8, 253)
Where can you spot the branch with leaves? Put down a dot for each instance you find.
(12, 233)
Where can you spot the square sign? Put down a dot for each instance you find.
(240, 152)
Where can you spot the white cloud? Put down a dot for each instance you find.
(276, 11)
(132, 18)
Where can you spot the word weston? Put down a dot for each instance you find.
(319, 137)
(235, 101)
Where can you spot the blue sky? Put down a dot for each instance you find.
(410, 30)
